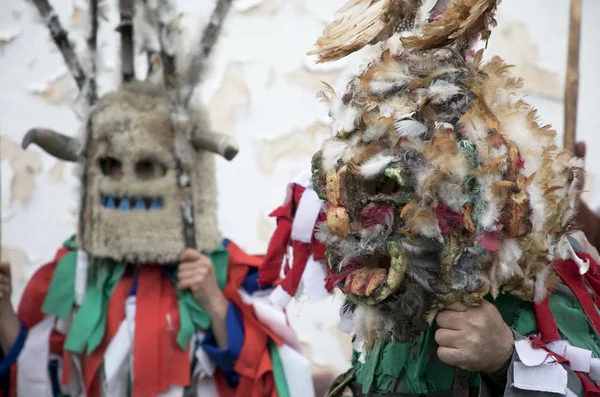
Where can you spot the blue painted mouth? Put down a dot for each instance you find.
(131, 203)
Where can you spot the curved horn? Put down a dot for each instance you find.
(53, 143)
(215, 142)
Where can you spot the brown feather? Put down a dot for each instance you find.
(360, 26)
(463, 19)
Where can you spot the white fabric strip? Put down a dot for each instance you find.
(530, 356)
(81, 272)
(204, 371)
(32, 374)
(306, 216)
(551, 378)
(273, 318)
(313, 280)
(595, 369)
(297, 372)
(174, 391)
(579, 359)
(296, 367)
(303, 179)
(279, 297)
(118, 356)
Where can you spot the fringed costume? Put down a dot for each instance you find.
(105, 316)
(440, 185)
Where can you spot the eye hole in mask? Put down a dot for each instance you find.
(111, 167)
(148, 168)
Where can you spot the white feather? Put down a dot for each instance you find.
(509, 255)
(540, 291)
(345, 117)
(410, 128)
(441, 91)
(538, 206)
(375, 165)
(333, 150)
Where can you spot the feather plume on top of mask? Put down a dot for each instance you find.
(364, 22)
(443, 186)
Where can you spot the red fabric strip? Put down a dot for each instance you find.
(545, 321)
(178, 366)
(13, 381)
(280, 241)
(149, 333)
(292, 278)
(538, 344)
(569, 272)
(30, 306)
(114, 317)
(590, 388)
(277, 250)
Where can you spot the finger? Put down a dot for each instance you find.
(580, 149)
(196, 264)
(448, 338)
(450, 320)
(450, 356)
(190, 283)
(190, 255)
(192, 275)
(457, 307)
(5, 268)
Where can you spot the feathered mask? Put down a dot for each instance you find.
(441, 185)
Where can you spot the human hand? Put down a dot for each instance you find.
(473, 338)
(5, 288)
(196, 273)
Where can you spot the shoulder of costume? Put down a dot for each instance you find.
(239, 257)
(34, 294)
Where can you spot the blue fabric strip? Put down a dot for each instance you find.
(10, 358)
(225, 359)
(53, 371)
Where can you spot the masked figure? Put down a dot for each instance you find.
(148, 299)
(448, 215)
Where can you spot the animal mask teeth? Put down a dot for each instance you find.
(131, 203)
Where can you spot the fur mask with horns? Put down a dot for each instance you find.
(440, 184)
(142, 201)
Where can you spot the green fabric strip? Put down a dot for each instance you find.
(573, 324)
(61, 294)
(191, 314)
(278, 373)
(417, 364)
(89, 324)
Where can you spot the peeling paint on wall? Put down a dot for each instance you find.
(18, 260)
(55, 90)
(26, 165)
(295, 144)
(514, 43)
(57, 171)
(228, 99)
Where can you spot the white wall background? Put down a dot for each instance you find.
(261, 89)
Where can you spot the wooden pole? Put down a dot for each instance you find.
(125, 28)
(61, 38)
(207, 42)
(167, 17)
(572, 80)
(92, 42)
